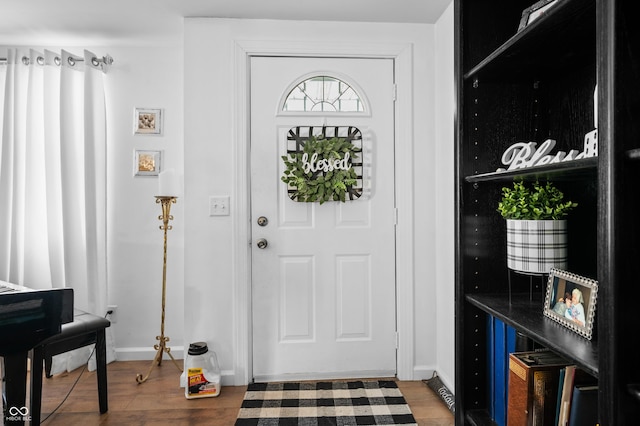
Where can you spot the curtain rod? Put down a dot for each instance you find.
(107, 60)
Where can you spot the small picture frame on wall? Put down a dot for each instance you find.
(147, 121)
(571, 301)
(147, 163)
(535, 11)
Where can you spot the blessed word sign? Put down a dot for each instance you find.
(521, 155)
(324, 164)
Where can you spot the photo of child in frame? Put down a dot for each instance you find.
(572, 305)
(561, 305)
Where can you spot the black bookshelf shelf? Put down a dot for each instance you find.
(526, 316)
(541, 47)
(564, 170)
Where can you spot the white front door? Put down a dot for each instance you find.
(323, 287)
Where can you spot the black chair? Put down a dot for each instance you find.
(86, 329)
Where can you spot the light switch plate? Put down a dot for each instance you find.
(219, 205)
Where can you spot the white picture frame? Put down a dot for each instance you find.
(148, 121)
(147, 162)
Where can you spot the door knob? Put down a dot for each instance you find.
(262, 243)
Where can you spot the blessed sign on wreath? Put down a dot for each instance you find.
(323, 163)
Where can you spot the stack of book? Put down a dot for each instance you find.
(577, 402)
(545, 389)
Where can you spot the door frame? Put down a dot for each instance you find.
(402, 55)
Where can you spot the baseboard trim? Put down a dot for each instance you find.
(324, 376)
(147, 354)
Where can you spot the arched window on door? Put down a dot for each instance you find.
(322, 93)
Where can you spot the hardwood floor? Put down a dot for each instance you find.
(161, 401)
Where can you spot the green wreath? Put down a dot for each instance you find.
(322, 171)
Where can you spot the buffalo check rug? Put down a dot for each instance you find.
(375, 402)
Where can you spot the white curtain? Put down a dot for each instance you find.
(53, 179)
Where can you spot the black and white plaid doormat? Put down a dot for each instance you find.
(376, 402)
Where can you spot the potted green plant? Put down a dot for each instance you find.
(536, 226)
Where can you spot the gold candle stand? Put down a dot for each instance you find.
(162, 347)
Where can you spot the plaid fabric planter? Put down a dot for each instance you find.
(536, 246)
(325, 403)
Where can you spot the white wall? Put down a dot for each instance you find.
(425, 219)
(147, 77)
(214, 246)
(445, 187)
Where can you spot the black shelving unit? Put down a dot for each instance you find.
(531, 85)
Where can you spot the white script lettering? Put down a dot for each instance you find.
(521, 155)
(324, 165)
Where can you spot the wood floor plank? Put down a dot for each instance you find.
(161, 401)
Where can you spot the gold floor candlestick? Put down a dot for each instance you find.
(162, 347)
